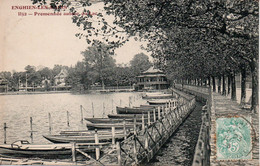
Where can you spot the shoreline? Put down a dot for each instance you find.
(29, 93)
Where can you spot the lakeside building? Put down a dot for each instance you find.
(3, 84)
(152, 79)
(59, 79)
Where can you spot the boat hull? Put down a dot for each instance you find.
(79, 139)
(136, 110)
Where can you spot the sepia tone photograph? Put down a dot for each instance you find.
(134, 82)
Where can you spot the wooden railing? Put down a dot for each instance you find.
(202, 150)
(148, 137)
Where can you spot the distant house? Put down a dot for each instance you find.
(3, 84)
(152, 79)
(59, 79)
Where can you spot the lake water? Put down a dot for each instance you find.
(16, 110)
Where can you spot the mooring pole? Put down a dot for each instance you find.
(118, 148)
(68, 119)
(135, 148)
(149, 118)
(49, 114)
(154, 116)
(5, 127)
(103, 110)
(31, 121)
(146, 142)
(81, 113)
(159, 112)
(73, 151)
(129, 101)
(112, 106)
(93, 114)
(113, 135)
(143, 121)
(97, 142)
(124, 128)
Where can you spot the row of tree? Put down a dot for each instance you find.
(191, 40)
(97, 69)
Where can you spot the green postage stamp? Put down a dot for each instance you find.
(234, 140)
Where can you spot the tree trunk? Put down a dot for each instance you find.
(223, 85)
(209, 81)
(219, 84)
(201, 82)
(243, 85)
(233, 87)
(229, 83)
(254, 71)
(214, 83)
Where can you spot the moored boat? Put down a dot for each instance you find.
(127, 116)
(163, 102)
(80, 139)
(24, 148)
(157, 96)
(134, 110)
(107, 120)
(88, 132)
(92, 126)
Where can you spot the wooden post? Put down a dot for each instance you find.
(96, 142)
(135, 148)
(81, 113)
(112, 106)
(159, 112)
(149, 118)
(31, 121)
(129, 101)
(124, 128)
(5, 127)
(50, 123)
(93, 114)
(142, 121)
(154, 116)
(103, 114)
(73, 151)
(146, 142)
(163, 111)
(113, 135)
(134, 124)
(68, 119)
(118, 149)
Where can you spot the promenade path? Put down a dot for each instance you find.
(222, 106)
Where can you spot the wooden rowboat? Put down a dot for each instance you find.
(80, 139)
(162, 101)
(93, 126)
(107, 120)
(129, 116)
(89, 132)
(157, 96)
(24, 148)
(134, 110)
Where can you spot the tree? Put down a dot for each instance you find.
(231, 23)
(99, 63)
(140, 63)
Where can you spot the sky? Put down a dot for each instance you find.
(45, 40)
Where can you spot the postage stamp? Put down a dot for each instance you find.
(234, 140)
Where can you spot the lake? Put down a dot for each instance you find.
(16, 111)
